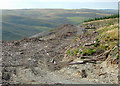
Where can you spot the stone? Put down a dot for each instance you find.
(84, 75)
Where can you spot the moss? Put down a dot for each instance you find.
(68, 51)
(81, 46)
(94, 50)
(117, 56)
(74, 40)
(80, 52)
(76, 51)
(71, 53)
(103, 46)
(89, 51)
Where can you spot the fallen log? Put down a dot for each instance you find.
(102, 57)
(90, 61)
(89, 57)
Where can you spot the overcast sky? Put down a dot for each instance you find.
(64, 4)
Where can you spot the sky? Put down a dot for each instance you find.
(58, 4)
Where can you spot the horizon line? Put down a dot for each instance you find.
(61, 8)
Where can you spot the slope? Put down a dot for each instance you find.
(17, 27)
(87, 53)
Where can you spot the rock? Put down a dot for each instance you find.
(6, 76)
(84, 75)
(77, 74)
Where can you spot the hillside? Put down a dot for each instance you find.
(95, 52)
(34, 21)
(18, 27)
(69, 54)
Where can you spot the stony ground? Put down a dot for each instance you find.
(28, 61)
(40, 60)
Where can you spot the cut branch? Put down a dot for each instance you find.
(90, 61)
(102, 57)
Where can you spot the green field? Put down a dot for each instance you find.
(77, 20)
(17, 24)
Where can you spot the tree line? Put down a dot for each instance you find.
(101, 18)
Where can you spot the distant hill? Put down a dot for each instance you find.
(18, 24)
(17, 27)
